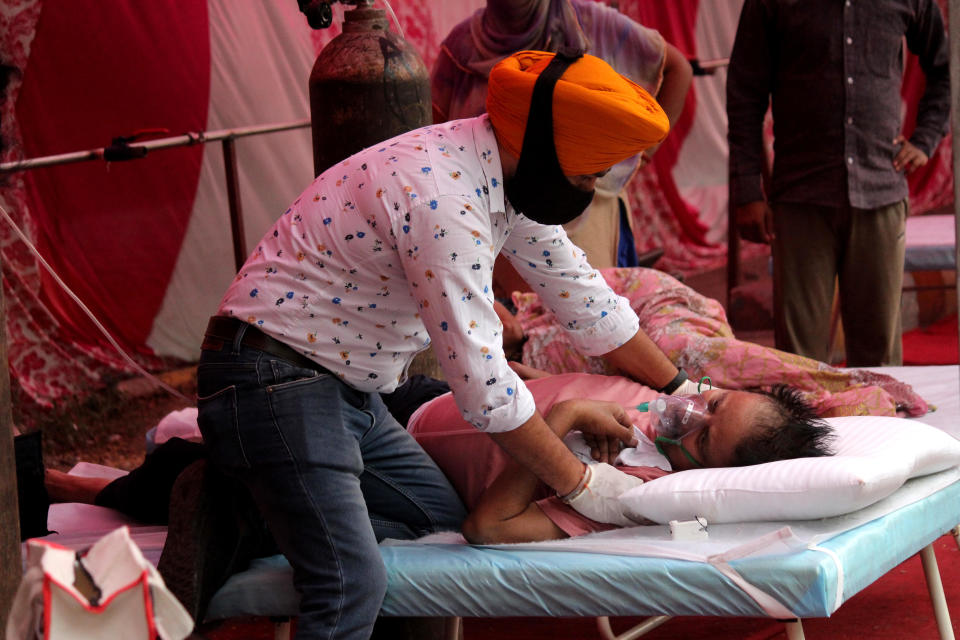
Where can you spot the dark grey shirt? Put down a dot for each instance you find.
(833, 69)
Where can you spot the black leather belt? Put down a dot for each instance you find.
(222, 331)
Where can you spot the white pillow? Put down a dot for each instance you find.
(874, 456)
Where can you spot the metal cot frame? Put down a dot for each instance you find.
(601, 586)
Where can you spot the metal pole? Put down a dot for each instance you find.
(794, 629)
(642, 629)
(935, 588)
(733, 254)
(953, 20)
(233, 198)
(188, 139)
(185, 140)
(10, 561)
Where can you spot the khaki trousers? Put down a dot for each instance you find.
(863, 249)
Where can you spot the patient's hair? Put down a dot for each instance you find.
(791, 429)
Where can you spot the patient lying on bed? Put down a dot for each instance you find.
(692, 330)
(508, 504)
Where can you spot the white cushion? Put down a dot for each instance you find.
(874, 456)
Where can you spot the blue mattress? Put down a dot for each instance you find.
(460, 580)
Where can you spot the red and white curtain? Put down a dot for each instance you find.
(146, 244)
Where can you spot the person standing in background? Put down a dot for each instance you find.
(837, 201)
(473, 47)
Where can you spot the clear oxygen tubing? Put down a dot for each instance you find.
(645, 406)
(394, 16)
(53, 274)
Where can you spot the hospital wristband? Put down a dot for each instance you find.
(581, 486)
(674, 384)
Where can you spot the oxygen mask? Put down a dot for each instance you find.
(676, 417)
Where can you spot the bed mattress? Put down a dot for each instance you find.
(461, 580)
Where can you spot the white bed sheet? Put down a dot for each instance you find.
(940, 386)
(931, 243)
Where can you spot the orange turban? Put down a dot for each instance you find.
(599, 116)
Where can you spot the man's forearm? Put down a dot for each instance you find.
(933, 115)
(927, 38)
(537, 448)
(641, 359)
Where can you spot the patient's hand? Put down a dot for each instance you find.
(603, 448)
(527, 373)
(606, 426)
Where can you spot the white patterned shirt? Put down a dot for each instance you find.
(394, 248)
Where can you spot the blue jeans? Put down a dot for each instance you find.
(331, 471)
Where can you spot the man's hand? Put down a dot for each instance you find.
(755, 221)
(606, 427)
(909, 158)
(599, 498)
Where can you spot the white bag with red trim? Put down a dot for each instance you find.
(111, 591)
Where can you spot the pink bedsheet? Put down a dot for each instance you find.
(471, 460)
(693, 331)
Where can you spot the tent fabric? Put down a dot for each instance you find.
(146, 244)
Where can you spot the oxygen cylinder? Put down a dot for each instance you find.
(367, 85)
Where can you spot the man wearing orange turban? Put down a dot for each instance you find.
(580, 125)
(392, 251)
(459, 81)
(600, 117)
(561, 116)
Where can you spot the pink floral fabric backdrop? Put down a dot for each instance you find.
(678, 202)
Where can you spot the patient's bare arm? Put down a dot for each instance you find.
(506, 512)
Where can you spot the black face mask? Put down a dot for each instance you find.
(539, 189)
